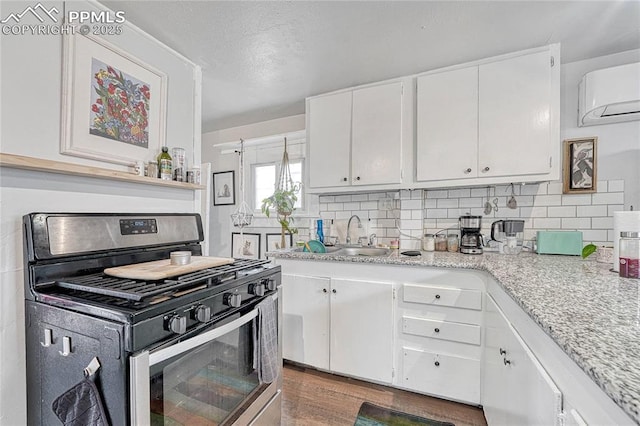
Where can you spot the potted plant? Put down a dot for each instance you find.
(283, 201)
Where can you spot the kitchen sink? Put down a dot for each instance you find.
(362, 251)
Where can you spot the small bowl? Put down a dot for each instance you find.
(180, 257)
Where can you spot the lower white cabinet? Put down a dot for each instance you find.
(516, 388)
(340, 325)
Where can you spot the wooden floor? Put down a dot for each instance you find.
(312, 398)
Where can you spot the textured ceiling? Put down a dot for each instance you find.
(261, 59)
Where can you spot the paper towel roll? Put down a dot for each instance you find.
(623, 222)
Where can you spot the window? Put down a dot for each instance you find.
(264, 179)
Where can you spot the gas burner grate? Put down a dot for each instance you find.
(135, 290)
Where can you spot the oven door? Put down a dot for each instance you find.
(209, 378)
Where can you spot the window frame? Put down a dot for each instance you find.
(303, 209)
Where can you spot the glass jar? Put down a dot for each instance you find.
(179, 162)
(452, 243)
(630, 254)
(152, 169)
(441, 243)
(429, 242)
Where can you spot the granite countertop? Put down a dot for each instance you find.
(590, 312)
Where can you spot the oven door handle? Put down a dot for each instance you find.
(139, 365)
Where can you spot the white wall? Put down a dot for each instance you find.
(618, 143)
(30, 116)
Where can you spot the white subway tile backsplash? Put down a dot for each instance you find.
(412, 204)
(565, 211)
(576, 223)
(547, 223)
(542, 206)
(576, 200)
(608, 198)
(615, 208)
(591, 211)
(592, 235)
(602, 186)
(616, 186)
(548, 200)
(554, 188)
(446, 203)
(437, 194)
(602, 223)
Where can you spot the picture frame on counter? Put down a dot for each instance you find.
(273, 242)
(114, 105)
(245, 245)
(579, 171)
(224, 188)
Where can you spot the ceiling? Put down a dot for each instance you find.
(260, 59)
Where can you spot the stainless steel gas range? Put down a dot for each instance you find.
(202, 347)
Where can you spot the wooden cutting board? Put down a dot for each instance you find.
(161, 269)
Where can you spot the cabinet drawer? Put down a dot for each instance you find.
(445, 330)
(443, 296)
(441, 375)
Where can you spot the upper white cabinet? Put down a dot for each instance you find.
(355, 137)
(493, 122)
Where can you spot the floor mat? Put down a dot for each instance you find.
(373, 415)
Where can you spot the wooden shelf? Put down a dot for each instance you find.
(60, 167)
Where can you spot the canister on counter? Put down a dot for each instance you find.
(429, 242)
(452, 243)
(630, 254)
(441, 242)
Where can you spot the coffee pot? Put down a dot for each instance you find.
(509, 234)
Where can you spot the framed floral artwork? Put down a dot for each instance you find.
(114, 108)
(579, 165)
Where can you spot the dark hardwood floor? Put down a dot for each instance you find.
(311, 397)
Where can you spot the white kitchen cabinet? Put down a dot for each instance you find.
(340, 325)
(362, 329)
(305, 302)
(516, 388)
(492, 122)
(355, 137)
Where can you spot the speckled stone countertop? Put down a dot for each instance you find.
(590, 312)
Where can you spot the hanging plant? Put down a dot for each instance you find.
(283, 199)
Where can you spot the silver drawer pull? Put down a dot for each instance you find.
(437, 296)
(48, 338)
(66, 346)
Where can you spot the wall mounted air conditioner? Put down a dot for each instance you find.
(609, 95)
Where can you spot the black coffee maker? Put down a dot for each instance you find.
(470, 237)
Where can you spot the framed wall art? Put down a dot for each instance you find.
(245, 245)
(224, 188)
(580, 165)
(274, 242)
(114, 105)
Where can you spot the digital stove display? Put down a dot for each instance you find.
(138, 226)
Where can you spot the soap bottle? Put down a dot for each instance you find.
(319, 231)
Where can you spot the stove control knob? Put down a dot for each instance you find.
(202, 313)
(178, 324)
(257, 289)
(232, 299)
(270, 284)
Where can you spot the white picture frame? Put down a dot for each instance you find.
(81, 55)
(272, 242)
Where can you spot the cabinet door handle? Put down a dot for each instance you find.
(333, 291)
(324, 290)
(502, 352)
(344, 179)
(48, 338)
(486, 169)
(437, 296)
(506, 361)
(358, 178)
(468, 170)
(66, 346)
(437, 330)
(437, 363)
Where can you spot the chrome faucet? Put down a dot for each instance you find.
(349, 227)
